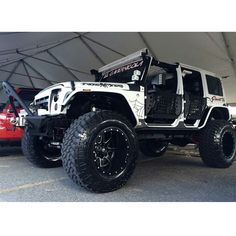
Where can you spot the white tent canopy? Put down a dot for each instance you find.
(40, 59)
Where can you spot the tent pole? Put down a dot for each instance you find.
(66, 68)
(92, 51)
(51, 63)
(27, 72)
(146, 44)
(36, 71)
(229, 52)
(100, 44)
(18, 73)
(38, 52)
(13, 71)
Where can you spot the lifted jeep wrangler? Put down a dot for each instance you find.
(95, 128)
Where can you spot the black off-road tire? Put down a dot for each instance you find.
(33, 150)
(153, 148)
(79, 158)
(217, 144)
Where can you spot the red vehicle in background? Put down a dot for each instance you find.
(10, 134)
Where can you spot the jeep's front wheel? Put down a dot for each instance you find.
(39, 152)
(153, 148)
(217, 144)
(99, 151)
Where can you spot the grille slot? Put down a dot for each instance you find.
(42, 103)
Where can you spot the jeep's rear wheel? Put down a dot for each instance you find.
(99, 151)
(39, 151)
(153, 148)
(217, 144)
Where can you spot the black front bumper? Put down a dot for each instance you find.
(36, 121)
(46, 125)
(38, 125)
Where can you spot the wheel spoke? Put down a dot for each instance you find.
(109, 139)
(110, 143)
(100, 139)
(112, 148)
(107, 158)
(100, 162)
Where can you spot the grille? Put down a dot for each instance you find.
(42, 103)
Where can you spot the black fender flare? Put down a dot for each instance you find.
(221, 112)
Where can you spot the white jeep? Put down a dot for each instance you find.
(138, 102)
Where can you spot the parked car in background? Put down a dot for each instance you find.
(9, 133)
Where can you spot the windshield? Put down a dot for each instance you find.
(123, 74)
(169, 75)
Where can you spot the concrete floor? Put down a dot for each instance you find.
(177, 176)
